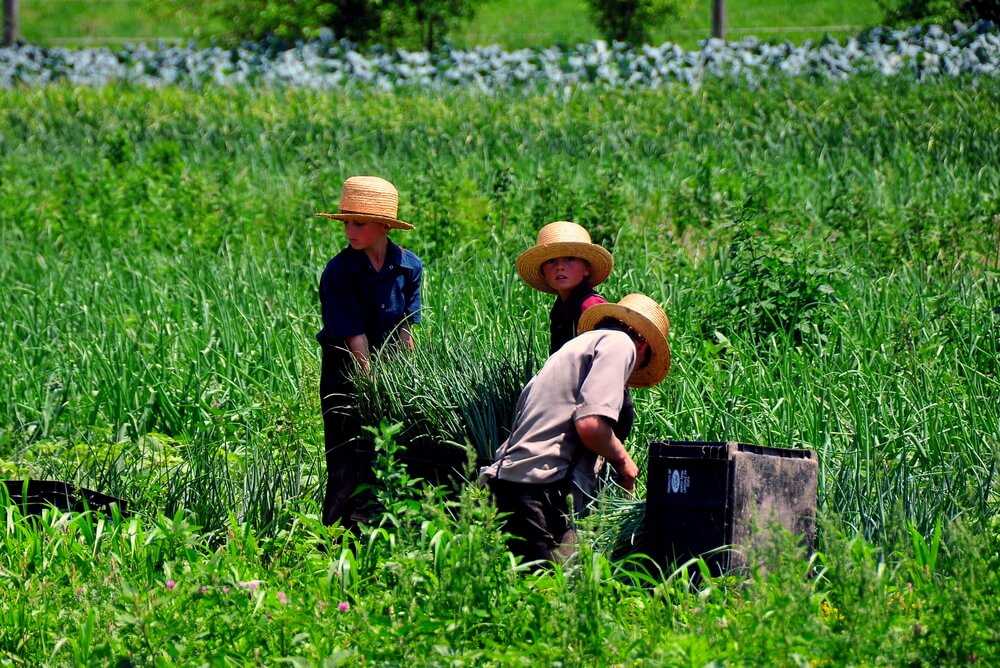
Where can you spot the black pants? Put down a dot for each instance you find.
(538, 519)
(346, 468)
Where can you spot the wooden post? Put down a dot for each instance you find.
(11, 22)
(719, 19)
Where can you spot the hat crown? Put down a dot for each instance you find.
(369, 195)
(649, 309)
(563, 231)
(647, 317)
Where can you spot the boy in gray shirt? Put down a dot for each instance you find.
(565, 417)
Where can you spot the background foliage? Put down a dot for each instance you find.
(511, 23)
(425, 22)
(630, 20)
(940, 12)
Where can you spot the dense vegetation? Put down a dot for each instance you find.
(509, 23)
(828, 255)
(941, 11)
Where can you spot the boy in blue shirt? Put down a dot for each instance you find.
(369, 295)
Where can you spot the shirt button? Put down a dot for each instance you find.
(392, 266)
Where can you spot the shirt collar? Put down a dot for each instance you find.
(359, 260)
(574, 300)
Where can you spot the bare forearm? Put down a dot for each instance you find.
(597, 434)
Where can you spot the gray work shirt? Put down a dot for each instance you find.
(585, 377)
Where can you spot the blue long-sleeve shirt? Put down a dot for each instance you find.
(355, 299)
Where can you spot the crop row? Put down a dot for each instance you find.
(328, 64)
(826, 252)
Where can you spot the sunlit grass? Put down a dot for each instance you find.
(514, 24)
(82, 22)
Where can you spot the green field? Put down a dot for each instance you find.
(510, 23)
(514, 24)
(85, 23)
(829, 257)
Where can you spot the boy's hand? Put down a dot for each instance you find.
(407, 338)
(627, 473)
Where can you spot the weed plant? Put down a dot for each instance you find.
(158, 273)
(439, 588)
(460, 385)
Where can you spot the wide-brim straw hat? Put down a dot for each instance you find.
(369, 199)
(645, 316)
(563, 239)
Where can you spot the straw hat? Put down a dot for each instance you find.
(369, 199)
(646, 317)
(563, 239)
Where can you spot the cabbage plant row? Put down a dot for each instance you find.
(329, 64)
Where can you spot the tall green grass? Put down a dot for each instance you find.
(159, 264)
(829, 257)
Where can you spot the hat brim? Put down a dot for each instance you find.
(367, 218)
(529, 263)
(659, 361)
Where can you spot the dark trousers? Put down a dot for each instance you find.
(537, 519)
(345, 467)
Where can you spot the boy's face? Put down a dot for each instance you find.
(565, 273)
(362, 235)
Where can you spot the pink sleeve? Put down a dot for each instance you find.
(592, 300)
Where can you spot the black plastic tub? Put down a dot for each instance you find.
(703, 496)
(33, 496)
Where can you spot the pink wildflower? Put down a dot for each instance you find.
(171, 584)
(203, 589)
(343, 606)
(225, 590)
(282, 598)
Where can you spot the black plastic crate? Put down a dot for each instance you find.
(702, 496)
(33, 496)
